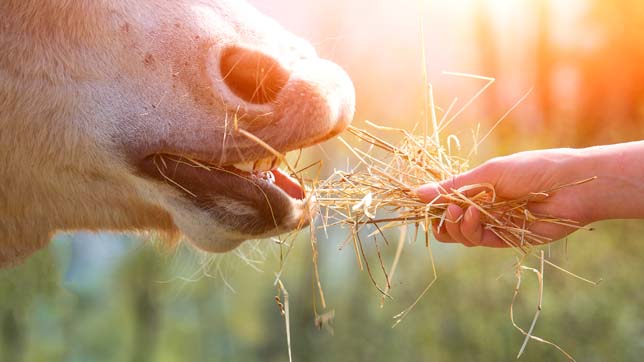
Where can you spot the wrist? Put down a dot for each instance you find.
(618, 190)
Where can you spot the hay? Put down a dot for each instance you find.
(379, 190)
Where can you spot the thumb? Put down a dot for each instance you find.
(432, 191)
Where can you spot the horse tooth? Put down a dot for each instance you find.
(245, 166)
(264, 164)
(277, 162)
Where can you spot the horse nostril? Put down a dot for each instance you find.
(253, 76)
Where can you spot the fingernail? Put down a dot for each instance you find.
(451, 209)
(448, 215)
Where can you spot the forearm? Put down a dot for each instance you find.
(618, 191)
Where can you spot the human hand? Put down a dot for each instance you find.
(514, 177)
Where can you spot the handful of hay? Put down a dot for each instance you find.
(380, 190)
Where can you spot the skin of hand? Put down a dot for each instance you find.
(616, 193)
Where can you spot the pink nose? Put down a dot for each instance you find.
(253, 76)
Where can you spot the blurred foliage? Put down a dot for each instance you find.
(155, 306)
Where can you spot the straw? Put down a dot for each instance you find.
(379, 191)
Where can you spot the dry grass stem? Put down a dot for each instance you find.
(285, 312)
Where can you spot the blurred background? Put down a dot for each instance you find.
(120, 298)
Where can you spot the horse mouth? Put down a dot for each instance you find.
(255, 198)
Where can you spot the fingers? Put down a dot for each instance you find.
(453, 218)
(440, 232)
(431, 192)
(462, 226)
(465, 227)
(471, 227)
(449, 230)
